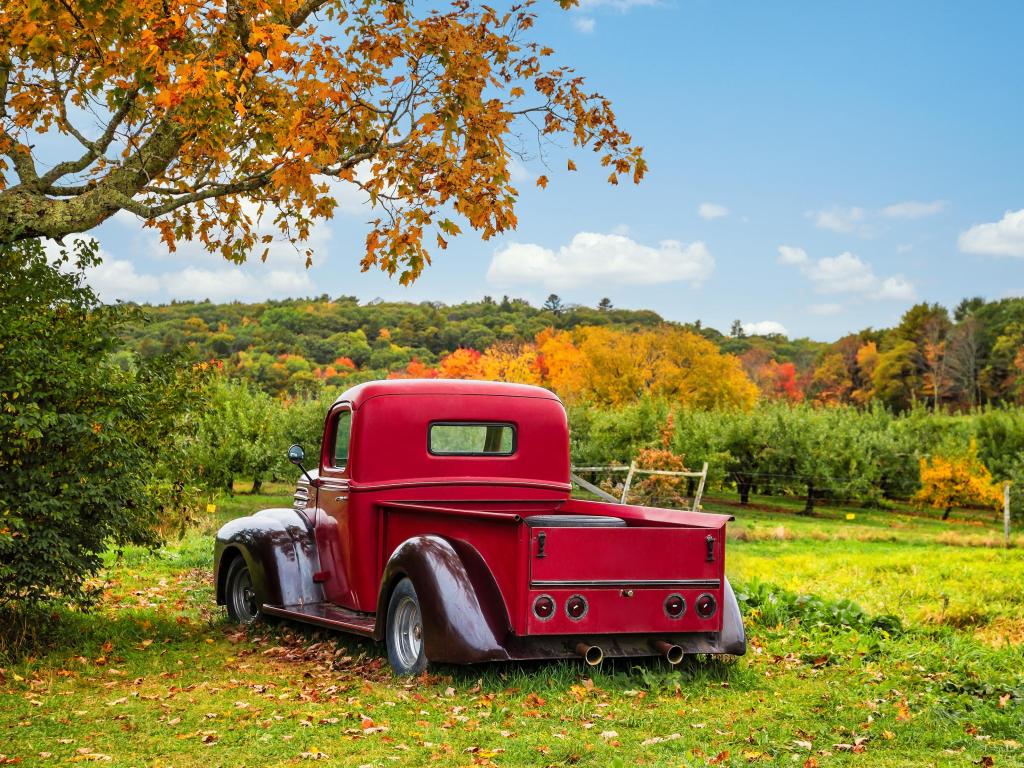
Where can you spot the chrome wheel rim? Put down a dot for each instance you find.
(243, 597)
(408, 633)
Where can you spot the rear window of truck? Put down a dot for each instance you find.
(467, 438)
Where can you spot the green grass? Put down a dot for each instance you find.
(156, 676)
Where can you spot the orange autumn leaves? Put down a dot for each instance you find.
(607, 366)
(224, 122)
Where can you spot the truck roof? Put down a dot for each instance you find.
(370, 389)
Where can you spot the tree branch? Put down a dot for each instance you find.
(94, 149)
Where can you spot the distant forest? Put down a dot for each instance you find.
(971, 356)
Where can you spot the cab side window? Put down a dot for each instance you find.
(342, 432)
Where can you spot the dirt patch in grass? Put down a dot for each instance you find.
(1001, 632)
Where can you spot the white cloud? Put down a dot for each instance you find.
(763, 328)
(825, 309)
(231, 283)
(897, 287)
(591, 256)
(709, 211)
(117, 280)
(905, 248)
(845, 273)
(913, 209)
(584, 24)
(838, 219)
(1000, 238)
(789, 254)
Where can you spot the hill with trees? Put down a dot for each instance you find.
(970, 357)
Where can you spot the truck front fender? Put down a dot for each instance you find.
(463, 614)
(279, 547)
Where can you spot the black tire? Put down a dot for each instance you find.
(243, 601)
(404, 633)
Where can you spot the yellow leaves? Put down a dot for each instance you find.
(571, 165)
(516, 92)
(948, 482)
(254, 60)
(542, 182)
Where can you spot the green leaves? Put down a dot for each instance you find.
(79, 435)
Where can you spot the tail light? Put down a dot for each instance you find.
(706, 606)
(544, 607)
(675, 606)
(576, 607)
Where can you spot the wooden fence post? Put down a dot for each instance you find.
(629, 481)
(700, 488)
(1006, 512)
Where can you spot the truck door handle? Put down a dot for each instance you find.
(341, 498)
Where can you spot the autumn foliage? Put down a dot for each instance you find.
(229, 122)
(962, 481)
(607, 367)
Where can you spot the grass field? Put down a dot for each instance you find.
(928, 670)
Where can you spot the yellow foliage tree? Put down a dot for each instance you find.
(511, 362)
(948, 482)
(666, 362)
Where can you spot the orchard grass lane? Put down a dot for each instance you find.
(156, 675)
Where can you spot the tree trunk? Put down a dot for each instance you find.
(809, 505)
(257, 484)
(945, 515)
(744, 489)
(229, 485)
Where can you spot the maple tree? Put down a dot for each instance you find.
(225, 121)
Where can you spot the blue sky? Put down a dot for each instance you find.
(815, 167)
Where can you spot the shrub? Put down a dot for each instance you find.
(80, 436)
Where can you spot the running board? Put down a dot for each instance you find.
(326, 615)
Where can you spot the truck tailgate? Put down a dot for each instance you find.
(641, 557)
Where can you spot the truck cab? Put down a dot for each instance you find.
(438, 518)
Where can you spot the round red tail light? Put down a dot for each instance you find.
(544, 607)
(576, 607)
(706, 606)
(675, 606)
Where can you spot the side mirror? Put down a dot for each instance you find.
(296, 456)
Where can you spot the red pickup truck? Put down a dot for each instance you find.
(440, 521)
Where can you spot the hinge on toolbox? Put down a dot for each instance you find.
(710, 541)
(541, 541)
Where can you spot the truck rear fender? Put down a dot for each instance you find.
(464, 616)
(733, 638)
(280, 550)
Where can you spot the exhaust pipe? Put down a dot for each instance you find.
(592, 654)
(673, 653)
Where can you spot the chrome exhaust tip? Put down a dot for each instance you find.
(592, 654)
(673, 653)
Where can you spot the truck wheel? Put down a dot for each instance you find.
(405, 631)
(241, 598)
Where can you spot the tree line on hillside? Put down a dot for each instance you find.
(932, 358)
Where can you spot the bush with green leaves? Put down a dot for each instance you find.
(85, 443)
